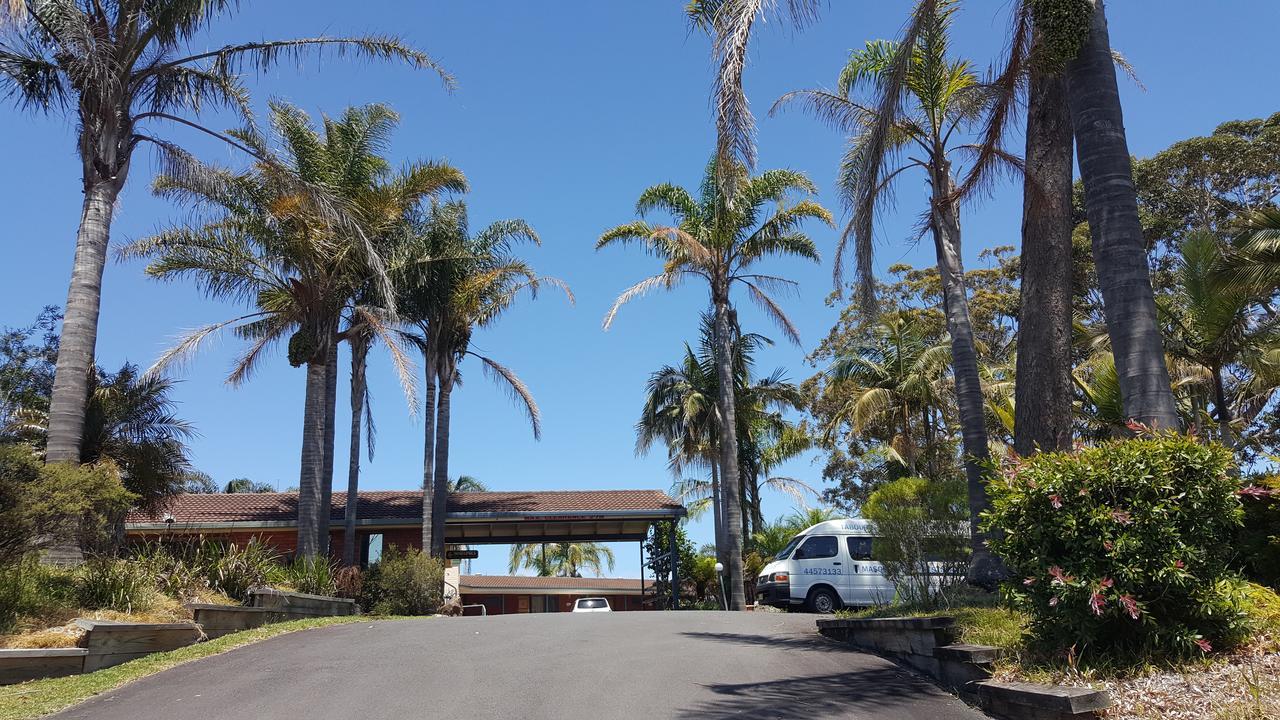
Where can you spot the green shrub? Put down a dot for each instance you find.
(312, 575)
(1262, 606)
(1257, 543)
(1122, 549)
(921, 537)
(234, 569)
(405, 582)
(182, 569)
(47, 505)
(109, 583)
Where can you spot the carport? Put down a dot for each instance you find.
(395, 517)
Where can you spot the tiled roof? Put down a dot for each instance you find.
(512, 582)
(402, 505)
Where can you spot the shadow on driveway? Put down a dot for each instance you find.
(880, 693)
(808, 642)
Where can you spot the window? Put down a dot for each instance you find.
(816, 547)
(860, 548)
(785, 552)
(372, 549)
(592, 603)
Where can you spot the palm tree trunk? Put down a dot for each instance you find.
(324, 515)
(1118, 246)
(985, 569)
(729, 478)
(80, 323)
(359, 356)
(428, 449)
(311, 474)
(717, 503)
(440, 501)
(1223, 409)
(1043, 390)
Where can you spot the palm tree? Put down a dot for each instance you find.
(921, 98)
(119, 69)
(1211, 323)
(896, 380)
(1253, 260)
(719, 240)
(730, 23)
(296, 235)
(465, 483)
(245, 485)
(469, 282)
(1119, 250)
(561, 559)
(130, 419)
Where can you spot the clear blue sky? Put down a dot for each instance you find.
(565, 111)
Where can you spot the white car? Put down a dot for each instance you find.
(597, 604)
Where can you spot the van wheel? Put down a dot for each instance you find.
(823, 601)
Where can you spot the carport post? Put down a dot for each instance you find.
(675, 567)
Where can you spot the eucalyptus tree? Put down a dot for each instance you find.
(720, 239)
(922, 101)
(295, 235)
(123, 70)
(464, 282)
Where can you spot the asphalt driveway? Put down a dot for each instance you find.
(618, 665)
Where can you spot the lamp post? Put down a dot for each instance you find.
(720, 577)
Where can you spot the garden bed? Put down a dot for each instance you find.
(1236, 686)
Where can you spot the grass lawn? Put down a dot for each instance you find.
(41, 697)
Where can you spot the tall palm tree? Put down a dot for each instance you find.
(730, 23)
(719, 240)
(469, 282)
(1034, 72)
(921, 98)
(121, 69)
(1119, 250)
(562, 559)
(296, 235)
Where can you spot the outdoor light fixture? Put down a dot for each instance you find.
(720, 574)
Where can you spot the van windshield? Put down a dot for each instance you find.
(785, 552)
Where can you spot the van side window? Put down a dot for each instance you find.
(860, 548)
(818, 546)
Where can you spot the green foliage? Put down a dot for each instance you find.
(313, 575)
(29, 586)
(115, 584)
(922, 539)
(657, 548)
(404, 582)
(562, 559)
(1064, 28)
(180, 570)
(1123, 548)
(1257, 543)
(45, 505)
(245, 485)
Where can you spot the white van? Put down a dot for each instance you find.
(824, 568)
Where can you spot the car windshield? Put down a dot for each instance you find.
(785, 552)
(592, 603)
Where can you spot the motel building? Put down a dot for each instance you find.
(473, 520)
